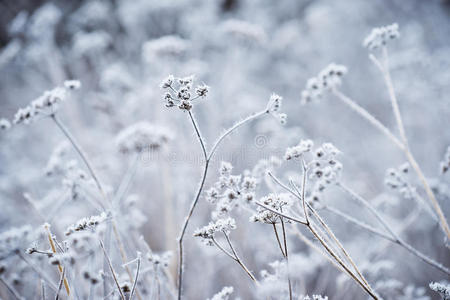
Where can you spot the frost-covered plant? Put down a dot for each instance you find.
(442, 288)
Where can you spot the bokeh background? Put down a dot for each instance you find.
(244, 50)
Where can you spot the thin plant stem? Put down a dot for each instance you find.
(60, 268)
(369, 117)
(395, 237)
(208, 158)
(43, 297)
(239, 261)
(136, 277)
(113, 273)
(60, 283)
(286, 257)
(361, 280)
(79, 150)
(11, 289)
(278, 239)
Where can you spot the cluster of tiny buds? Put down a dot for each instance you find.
(162, 260)
(62, 259)
(229, 189)
(179, 92)
(380, 36)
(222, 225)
(327, 80)
(85, 223)
(274, 201)
(441, 288)
(445, 163)
(224, 294)
(92, 278)
(298, 151)
(274, 106)
(396, 180)
(47, 104)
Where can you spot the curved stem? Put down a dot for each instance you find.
(232, 128)
(395, 237)
(278, 239)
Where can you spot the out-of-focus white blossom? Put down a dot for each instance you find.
(380, 36)
(224, 294)
(4, 124)
(141, 136)
(328, 79)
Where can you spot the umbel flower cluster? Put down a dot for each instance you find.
(47, 104)
(230, 191)
(143, 135)
(328, 79)
(222, 225)
(274, 106)
(179, 92)
(276, 202)
(380, 36)
(86, 223)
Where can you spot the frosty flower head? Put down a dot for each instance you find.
(441, 288)
(396, 180)
(274, 201)
(380, 36)
(303, 147)
(4, 124)
(160, 260)
(224, 294)
(47, 104)
(274, 106)
(142, 135)
(179, 92)
(328, 79)
(13, 239)
(222, 225)
(86, 223)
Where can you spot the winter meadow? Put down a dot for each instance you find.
(232, 149)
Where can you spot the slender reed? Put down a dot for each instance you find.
(113, 273)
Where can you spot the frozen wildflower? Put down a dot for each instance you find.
(4, 124)
(202, 90)
(327, 80)
(380, 36)
(45, 105)
(396, 180)
(303, 147)
(244, 31)
(169, 45)
(13, 239)
(230, 191)
(222, 225)
(162, 260)
(274, 106)
(224, 294)
(445, 163)
(86, 223)
(274, 201)
(179, 92)
(62, 259)
(142, 135)
(442, 288)
(72, 84)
